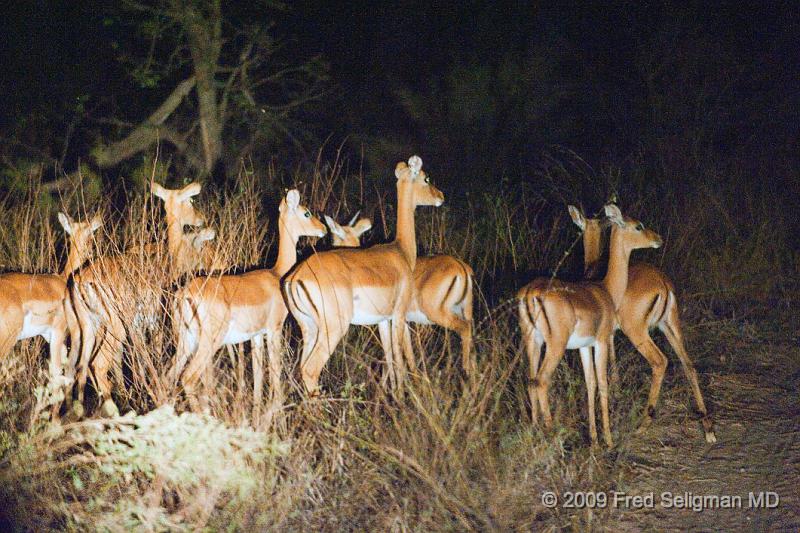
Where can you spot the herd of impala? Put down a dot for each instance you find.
(385, 285)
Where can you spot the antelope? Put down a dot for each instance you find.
(203, 255)
(98, 289)
(187, 251)
(579, 316)
(12, 317)
(348, 236)
(229, 309)
(442, 289)
(34, 304)
(364, 286)
(649, 302)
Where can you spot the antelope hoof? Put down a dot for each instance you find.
(645, 425)
(109, 409)
(708, 427)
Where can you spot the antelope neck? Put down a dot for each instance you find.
(616, 280)
(174, 236)
(75, 258)
(287, 248)
(591, 247)
(406, 237)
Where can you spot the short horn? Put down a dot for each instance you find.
(355, 217)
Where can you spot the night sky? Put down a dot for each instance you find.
(500, 82)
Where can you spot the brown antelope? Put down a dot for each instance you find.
(33, 304)
(224, 310)
(579, 316)
(442, 289)
(203, 257)
(101, 289)
(12, 317)
(649, 302)
(364, 286)
(195, 253)
(348, 236)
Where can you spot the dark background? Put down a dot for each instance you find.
(481, 90)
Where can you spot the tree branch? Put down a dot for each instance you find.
(148, 132)
(240, 70)
(67, 182)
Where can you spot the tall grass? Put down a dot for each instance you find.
(451, 454)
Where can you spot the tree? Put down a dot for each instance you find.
(225, 86)
(489, 115)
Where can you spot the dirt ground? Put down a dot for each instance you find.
(757, 416)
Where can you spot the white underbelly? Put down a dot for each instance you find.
(372, 305)
(30, 328)
(365, 318)
(234, 336)
(575, 341)
(417, 317)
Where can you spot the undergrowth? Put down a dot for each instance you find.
(451, 454)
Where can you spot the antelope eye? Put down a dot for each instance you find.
(427, 179)
(308, 214)
(639, 227)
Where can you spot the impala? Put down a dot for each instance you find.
(649, 302)
(579, 316)
(101, 289)
(12, 316)
(224, 310)
(348, 236)
(364, 286)
(33, 304)
(442, 289)
(203, 256)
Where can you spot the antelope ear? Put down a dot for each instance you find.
(158, 190)
(66, 222)
(614, 214)
(415, 164)
(362, 226)
(335, 228)
(355, 217)
(398, 170)
(193, 189)
(577, 217)
(293, 199)
(206, 234)
(97, 222)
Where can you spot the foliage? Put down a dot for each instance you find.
(684, 114)
(452, 454)
(224, 82)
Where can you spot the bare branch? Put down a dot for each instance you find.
(68, 182)
(241, 70)
(148, 132)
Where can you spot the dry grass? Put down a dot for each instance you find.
(451, 455)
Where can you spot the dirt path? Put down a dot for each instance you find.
(757, 416)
